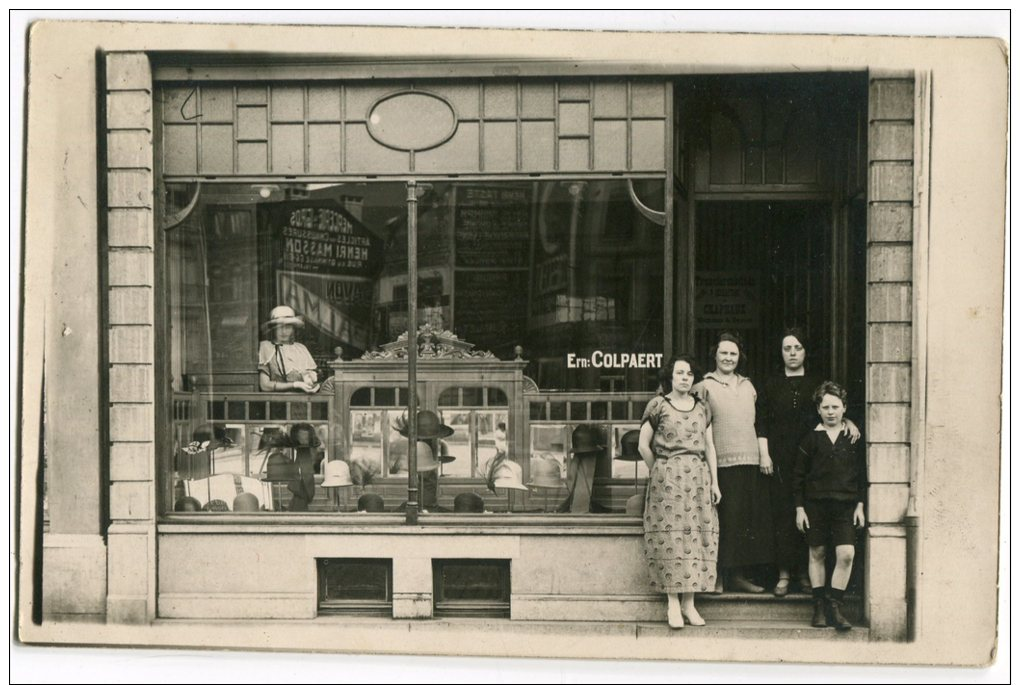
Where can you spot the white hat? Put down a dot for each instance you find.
(337, 474)
(283, 315)
(508, 475)
(545, 473)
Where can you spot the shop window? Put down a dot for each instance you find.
(355, 586)
(273, 286)
(471, 588)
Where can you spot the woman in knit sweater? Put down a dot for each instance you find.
(745, 513)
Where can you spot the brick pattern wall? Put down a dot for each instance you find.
(890, 304)
(130, 336)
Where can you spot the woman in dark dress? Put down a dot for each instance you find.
(785, 414)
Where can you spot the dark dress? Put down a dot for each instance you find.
(786, 413)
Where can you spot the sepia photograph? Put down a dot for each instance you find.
(548, 343)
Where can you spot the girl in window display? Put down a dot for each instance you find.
(680, 520)
(284, 364)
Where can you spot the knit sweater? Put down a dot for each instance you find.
(732, 404)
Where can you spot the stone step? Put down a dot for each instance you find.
(741, 606)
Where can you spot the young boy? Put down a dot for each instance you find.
(829, 483)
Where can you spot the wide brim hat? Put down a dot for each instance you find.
(585, 440)
(283, 315)
(211, 436)
(629, 446)
(337, 474)
(545, 473)
(429, 426)
(444, 453)
(508, 475)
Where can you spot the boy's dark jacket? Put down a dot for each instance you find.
(827, 470)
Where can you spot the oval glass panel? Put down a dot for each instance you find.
(412, 120)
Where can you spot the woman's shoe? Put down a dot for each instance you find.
(693, 617)
(742, 584)
(782, 588)
(675, 618)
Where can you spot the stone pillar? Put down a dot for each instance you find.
(412, 587)
(890, 348)
(131, 559)
(73, 548)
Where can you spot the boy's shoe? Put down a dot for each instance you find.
(839, 621)
(820, 618)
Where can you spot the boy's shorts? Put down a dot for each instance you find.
(830, 519)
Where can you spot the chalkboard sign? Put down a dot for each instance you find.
(490, 308)
(492, 226)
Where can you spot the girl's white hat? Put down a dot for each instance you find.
(283, 315)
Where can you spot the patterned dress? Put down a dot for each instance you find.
(680, 522)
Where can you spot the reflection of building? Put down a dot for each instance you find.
(781, 198)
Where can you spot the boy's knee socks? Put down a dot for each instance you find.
(836, 594)
(818, 592)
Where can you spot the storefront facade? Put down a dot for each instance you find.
(568, 229)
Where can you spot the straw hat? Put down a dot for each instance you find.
(337, 474)
(426, 458)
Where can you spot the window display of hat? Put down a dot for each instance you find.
(585, 440)
(629, 446)
(429, 426)
(246, 502)
(371, 503)
(468, 503)
(337, 474)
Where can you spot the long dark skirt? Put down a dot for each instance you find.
(791, 550)
(745, 518)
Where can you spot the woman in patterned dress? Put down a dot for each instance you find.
(680, 520)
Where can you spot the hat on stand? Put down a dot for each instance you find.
(545, 473)
(585, 440)
(371, 503)
(468, 503)
(429, 426)
(444, 453)
(337, 474)
(246, 501)
(629, 446)
(280, 469)
(426, 458)
(507, 475)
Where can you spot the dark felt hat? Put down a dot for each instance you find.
(468, 503)
(188, 504)
(585, 440)
(429, 426)
(629, 446)
(371, 502)
(280, 469)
